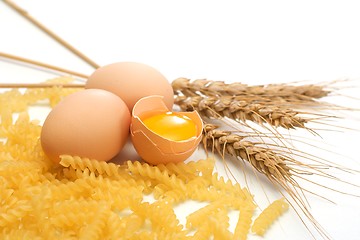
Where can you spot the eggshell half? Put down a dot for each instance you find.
(154, 148)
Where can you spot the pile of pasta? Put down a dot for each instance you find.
(82, 198)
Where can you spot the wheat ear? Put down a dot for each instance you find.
(286, 92)
(262, 159)
(236, 108)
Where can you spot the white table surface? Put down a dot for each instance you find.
(255, 42)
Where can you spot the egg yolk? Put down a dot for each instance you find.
(171, 125)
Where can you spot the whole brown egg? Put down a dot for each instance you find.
(90, 123)
(132, 81)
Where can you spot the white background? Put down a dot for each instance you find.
(255, 42)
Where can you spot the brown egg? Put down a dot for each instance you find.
(132, 81)
(161, 136)
(92, 123)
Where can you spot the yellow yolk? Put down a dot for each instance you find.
(171, 125)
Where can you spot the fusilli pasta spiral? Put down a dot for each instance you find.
(269, 215)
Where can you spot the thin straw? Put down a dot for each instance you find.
(23, 13)
(21, 59)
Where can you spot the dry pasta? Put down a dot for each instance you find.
(244, 222)
(203, 232)
(82, 198)
(95, 166)
(269, 215)
(219, 223)
(145, 170)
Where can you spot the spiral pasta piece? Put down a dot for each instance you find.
(146, 170)
(268, 216)
(63, 191)
(130, 224)
(196, 218)
(244, 222)
(114, 227)
(202, 232)
(219, 224)
(211, 194)
(190, 170)
(93, 165)
(158, 218)
(228, 186)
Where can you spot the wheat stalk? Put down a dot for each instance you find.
(279, 92)
(242, 109)
(262, 159)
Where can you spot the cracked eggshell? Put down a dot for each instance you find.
(154, 148)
